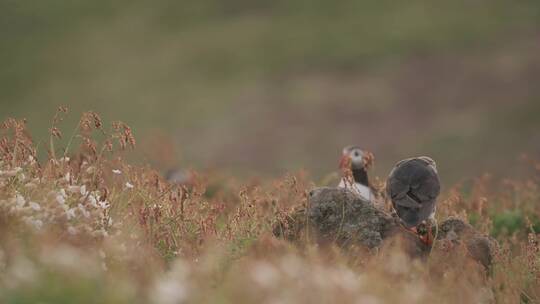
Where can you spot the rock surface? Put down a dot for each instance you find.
(336, 215)
(481, 248)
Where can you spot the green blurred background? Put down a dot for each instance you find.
(263, 87)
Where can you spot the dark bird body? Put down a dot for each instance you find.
(413, 187)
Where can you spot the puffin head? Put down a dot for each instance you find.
(355, 158)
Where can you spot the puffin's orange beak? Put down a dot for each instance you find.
(345, 162)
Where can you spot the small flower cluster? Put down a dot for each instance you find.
(40, 202)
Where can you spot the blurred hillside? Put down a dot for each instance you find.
(263, 87)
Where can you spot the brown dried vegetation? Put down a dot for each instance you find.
(84, 223)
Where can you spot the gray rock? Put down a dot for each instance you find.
(338, 216)
(481, 248)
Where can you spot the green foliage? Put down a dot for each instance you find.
(508, 222)
(65, 288)
(474, 219)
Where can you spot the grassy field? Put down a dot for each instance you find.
(259, 97)
(85, 226)
(211, 79)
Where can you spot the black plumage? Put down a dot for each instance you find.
(413, 187)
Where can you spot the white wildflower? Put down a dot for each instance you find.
(70, 213)
(64, 159)
(129, 185)
(35, 206)
(104, 204)
(116, 171)
(83, 190)
(92, 200)
(67, 177)
(19, 199)
(90, 169)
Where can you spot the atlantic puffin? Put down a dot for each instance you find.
(413, 187)
(354, 164)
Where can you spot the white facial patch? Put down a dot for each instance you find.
(356, 155)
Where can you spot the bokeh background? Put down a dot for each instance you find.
(264, 87)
